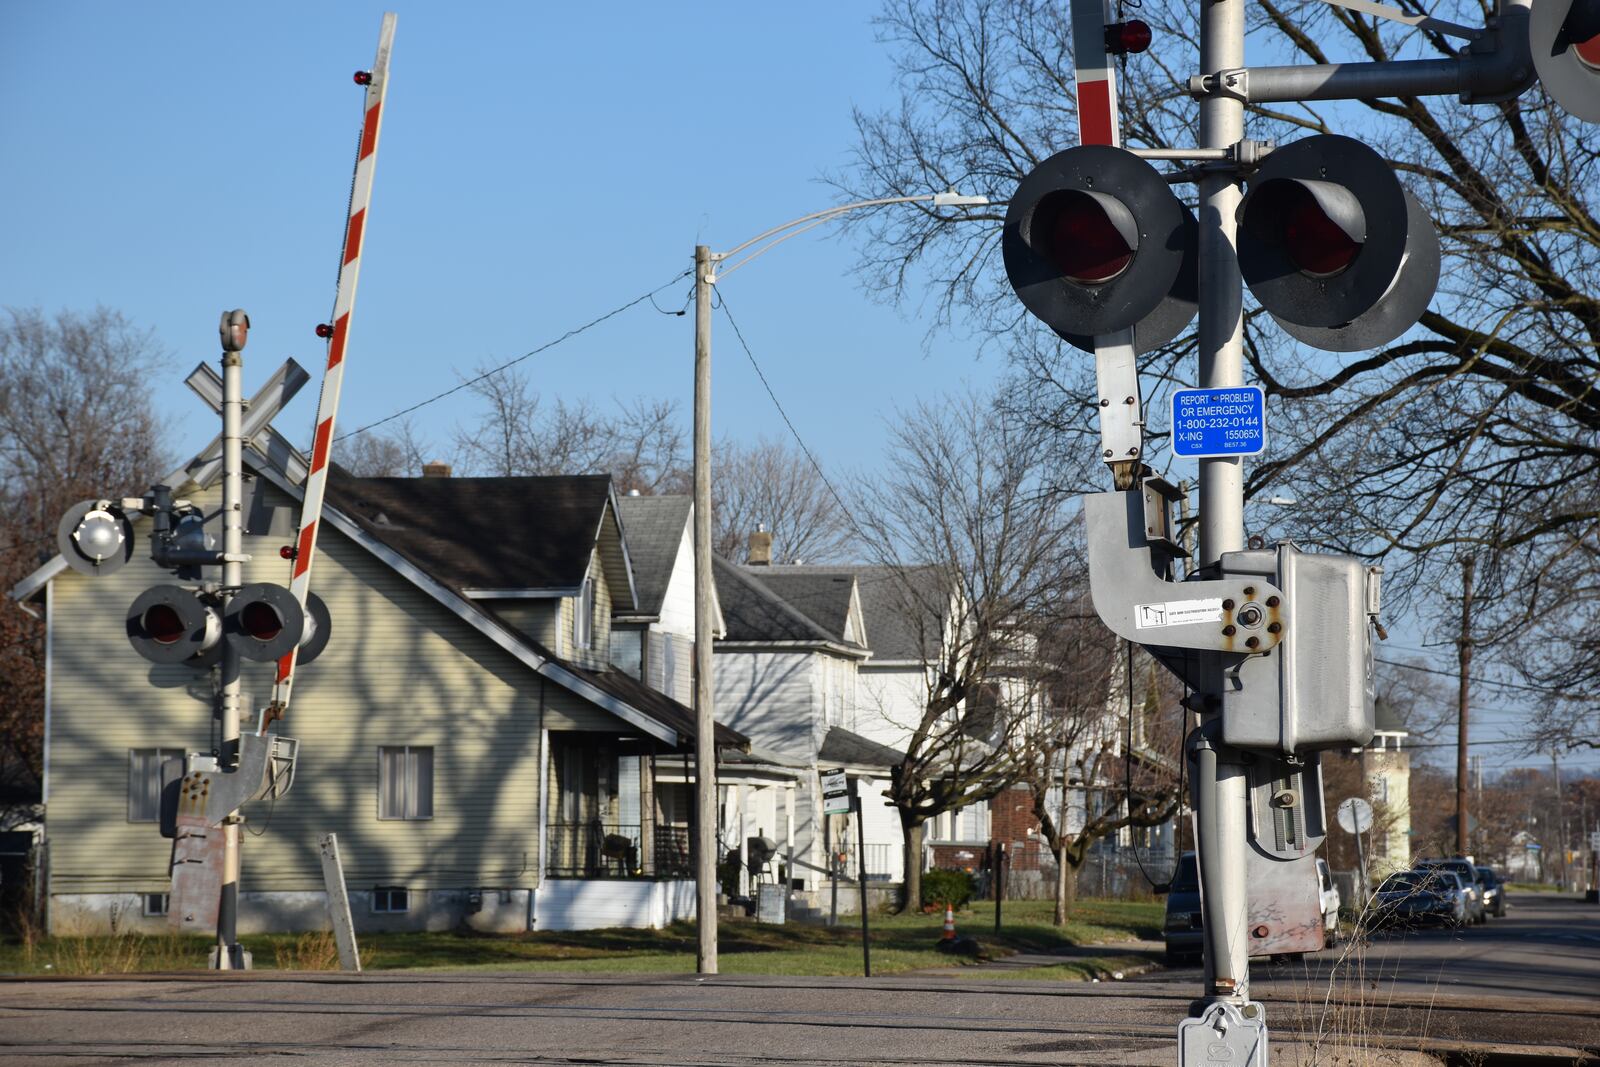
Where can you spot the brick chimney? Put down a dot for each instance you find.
(436, 469)
(760, 547)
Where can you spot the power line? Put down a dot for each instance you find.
(575, 331)
(722, 302)
(1541, 690)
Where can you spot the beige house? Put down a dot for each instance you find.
(1387, 766)
(464, 732)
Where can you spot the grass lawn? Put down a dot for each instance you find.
(899, 943)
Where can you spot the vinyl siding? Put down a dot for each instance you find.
(399, 669)
(771, 697)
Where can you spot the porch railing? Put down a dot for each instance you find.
(598, 849)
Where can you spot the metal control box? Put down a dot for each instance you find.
(1315, 689)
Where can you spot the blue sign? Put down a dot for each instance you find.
(1208, 423)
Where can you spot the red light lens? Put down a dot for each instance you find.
(1314, 242)
(260, 621)
(1072, 230)
(1125, 37)
(363, 77)
(164, 625)
(1589, 51)
(288, 552)
(324, 330)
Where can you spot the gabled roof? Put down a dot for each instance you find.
(653, 526)
(840, 746)
(491, 533)
(824, 597)
(752, 612)
(1384, 720)
(891, 601)
(651, 712)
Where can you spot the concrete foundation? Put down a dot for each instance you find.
(561, 904)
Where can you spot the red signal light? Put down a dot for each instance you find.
(1315, 243)
(1589, 52)
(288, 552)
(1125, 37)
(260, 621)
(363, 77)
(1072, 229)
(164, 625)
(324, 330)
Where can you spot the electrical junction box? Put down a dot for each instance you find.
(1315, 689)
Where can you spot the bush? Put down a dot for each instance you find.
(954, 888)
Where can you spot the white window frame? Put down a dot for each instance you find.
(156, 904)
(583, 615)
(411, 808)
(161, 757)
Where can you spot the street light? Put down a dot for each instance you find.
(705, 276)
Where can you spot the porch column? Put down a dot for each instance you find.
(647, 813)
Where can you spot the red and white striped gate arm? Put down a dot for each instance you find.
(338, 336)
(1096, 82)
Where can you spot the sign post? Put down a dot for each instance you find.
(861, 875)
(835, 801)
(1355, 817)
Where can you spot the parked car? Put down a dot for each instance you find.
(1184, 929)
(1329, 896)
(1494, 892)
(1468, 873)
(1422, 896)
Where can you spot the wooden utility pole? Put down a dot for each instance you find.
(705, 766)
(1464, 654)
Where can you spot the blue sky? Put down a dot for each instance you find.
(540, 164)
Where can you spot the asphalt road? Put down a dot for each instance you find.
(1548, 945)
(663, 1021)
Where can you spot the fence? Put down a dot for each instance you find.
(880, 861)
(598, 849)
(1115, 873)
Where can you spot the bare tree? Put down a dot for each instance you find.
(400, 454)
(965, 519)
(76, 421)
(775, 484)
(1095, 761)
(1474, 433)
(641, 446)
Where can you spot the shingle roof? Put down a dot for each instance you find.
(752, 612)
(842, 746)
(1385, 721)
(653, 526)
(482, 533)
(821, 595)
(892, 599)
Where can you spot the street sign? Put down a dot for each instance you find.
(1219, 422)
(1594, 841)
(835, 792)
(1354, 815)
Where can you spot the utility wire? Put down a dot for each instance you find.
(569, 335)
(722, 302)
(1541, 690)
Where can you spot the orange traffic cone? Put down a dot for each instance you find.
(949, 923)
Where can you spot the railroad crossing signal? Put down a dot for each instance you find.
(1564, 36)
(1333, 246)
(1095, 242)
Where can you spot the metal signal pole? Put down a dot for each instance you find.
(234, 329)
(1221, 785)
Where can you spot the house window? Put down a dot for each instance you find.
(155, 904)
(144, 781)
(583, 616)
(405, 782)
(390, 899)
